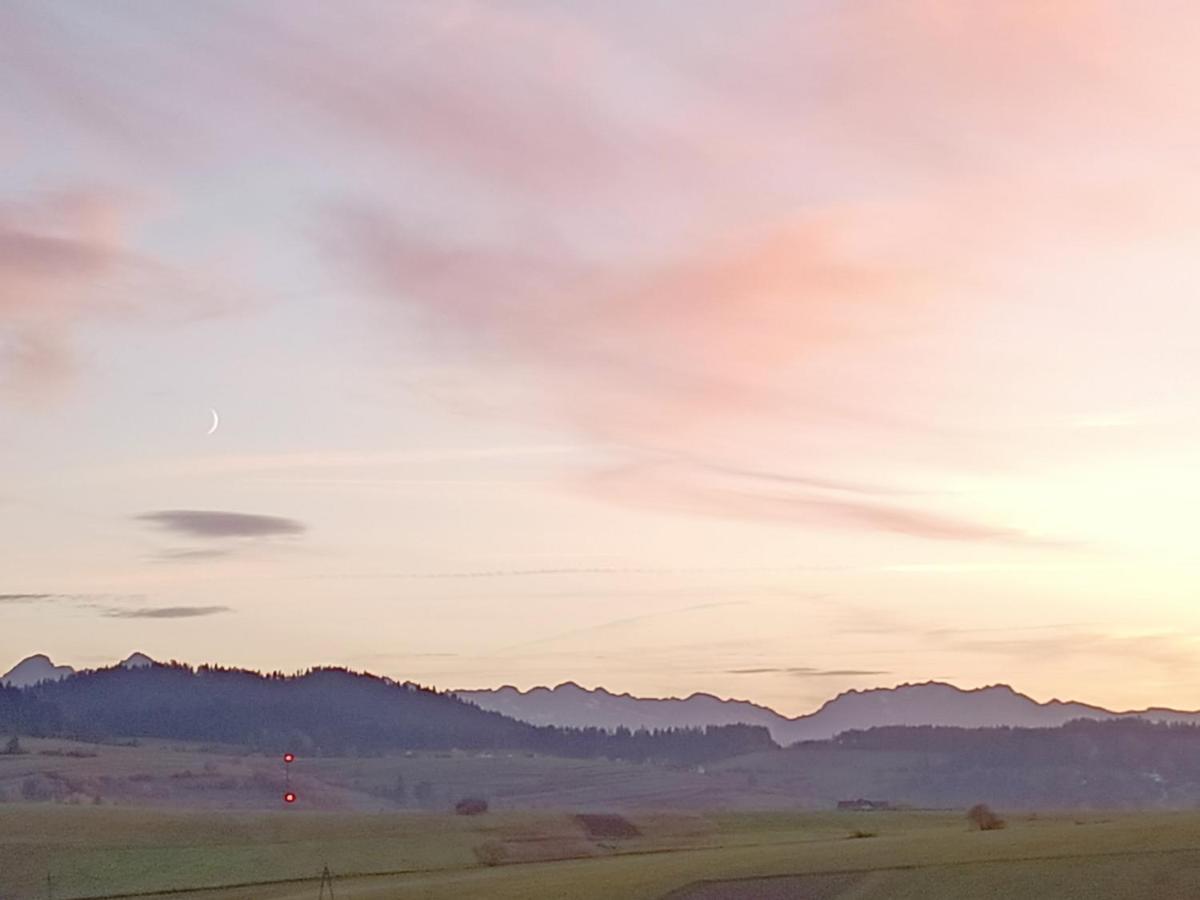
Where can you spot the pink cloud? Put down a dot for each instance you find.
(638, 345)
(54, 255)
(660, 358)
(67, 260)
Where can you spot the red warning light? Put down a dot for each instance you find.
(289, 757)
(289, 797)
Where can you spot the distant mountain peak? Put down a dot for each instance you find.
(136, 661)
(33, 670)
(571, 686)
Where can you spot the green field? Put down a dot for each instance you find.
(98, 851)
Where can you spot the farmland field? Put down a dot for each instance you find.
(98, 851)
(207, 822)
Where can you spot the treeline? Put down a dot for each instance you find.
(1165, 748)
(1118, 763)
(327, 710)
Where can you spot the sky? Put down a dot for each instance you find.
(770, 351)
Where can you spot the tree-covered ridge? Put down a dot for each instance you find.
(325, 710)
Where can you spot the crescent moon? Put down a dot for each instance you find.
(215, 422)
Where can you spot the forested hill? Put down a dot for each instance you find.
(324, 710)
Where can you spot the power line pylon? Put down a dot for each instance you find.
(326, 880)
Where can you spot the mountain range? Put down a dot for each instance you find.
(928, 703)
(572, 706)
(1101, 760)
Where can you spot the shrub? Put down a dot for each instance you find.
(491, 853)
(859, 833)
(981, 817)
(471, 806)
